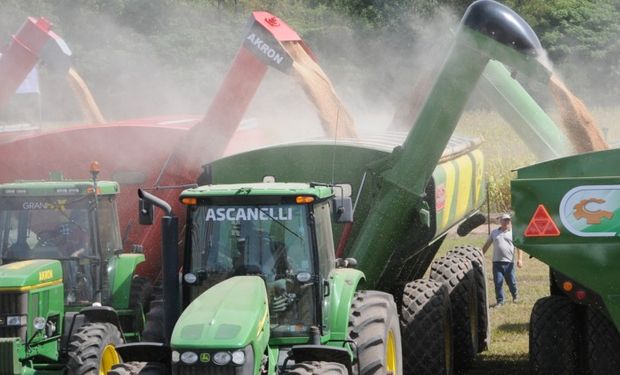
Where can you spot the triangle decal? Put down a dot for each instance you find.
(541, 224)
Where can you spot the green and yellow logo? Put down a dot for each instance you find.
(205, 357)
(46, 275)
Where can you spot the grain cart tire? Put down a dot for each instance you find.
(375, 330)
(603, 343)
(315, 368)
(142, 368)
(154, 327)
(92, 349)
(476, 257)
(141, 293)
(457, 274)
(553, 337)
(426, 323)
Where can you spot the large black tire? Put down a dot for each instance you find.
(91, 349)
(426, 323)
(154, 328)
(316, 368)
(603, 342)
(457, 274)
(476, 257)
(553, 337)
(375, 330)
(135, 368)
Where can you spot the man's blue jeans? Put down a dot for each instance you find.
(501, 271)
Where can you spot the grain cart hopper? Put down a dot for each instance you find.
(68, 294)
(567, 215)
(169, 150)
(314, 312)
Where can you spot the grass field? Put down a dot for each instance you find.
(508, 352)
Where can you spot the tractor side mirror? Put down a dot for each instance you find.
(145, 212)
(342, 209)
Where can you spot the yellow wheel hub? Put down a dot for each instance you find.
(109, 358)
(390, 354)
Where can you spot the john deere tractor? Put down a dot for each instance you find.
(68, 295)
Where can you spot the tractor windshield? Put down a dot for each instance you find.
(59, 228)
(271, 241)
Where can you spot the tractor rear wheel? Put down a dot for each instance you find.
(476, 257)
(315, 368)
(553, 337)
(426, 322)
(375, 330)
(603, 342)
(457, 274)
(92, 349)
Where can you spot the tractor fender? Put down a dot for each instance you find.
(122, 268)
(101, 314)
(344, 282)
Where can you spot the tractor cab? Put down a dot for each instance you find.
(58, 220)
(279, 232)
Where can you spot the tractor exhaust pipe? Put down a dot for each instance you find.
(169, 258)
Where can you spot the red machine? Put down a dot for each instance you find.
(157, 153)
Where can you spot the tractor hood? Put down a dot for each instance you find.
(29, 274)
(230, 315)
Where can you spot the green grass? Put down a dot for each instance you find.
(508, 352)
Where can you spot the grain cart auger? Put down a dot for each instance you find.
(567, 215)
(68, 295)
(262, 292)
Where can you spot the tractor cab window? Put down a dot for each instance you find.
(57, 228)
(270, 241)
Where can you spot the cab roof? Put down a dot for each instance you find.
(259, 189)
(62, 187)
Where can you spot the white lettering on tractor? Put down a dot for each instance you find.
(239, 214)
(35, 206)
(265, 49)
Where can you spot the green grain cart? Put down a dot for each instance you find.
(567, 214)
(278, 278)
(67, 294)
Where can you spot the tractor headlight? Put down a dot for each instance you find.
(222, 358)
(238, 357)
(189, 358)
(176, 356)
(14, 321)
(39, 323)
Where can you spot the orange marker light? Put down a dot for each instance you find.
(189, 201)
(94, 167)
(91, 190)
(303, 199)
(567, 286)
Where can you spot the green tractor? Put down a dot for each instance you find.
(264, 288)
(567, 215)
(68, 296)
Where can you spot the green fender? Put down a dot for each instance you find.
(120, 272)
(344, 283)
(230, 315)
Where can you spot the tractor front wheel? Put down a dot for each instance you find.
(92, 349)
(375, 330)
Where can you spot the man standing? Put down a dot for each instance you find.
(503, 259)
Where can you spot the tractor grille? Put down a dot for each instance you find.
(199, 370)
(13, 304)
